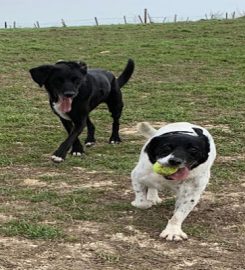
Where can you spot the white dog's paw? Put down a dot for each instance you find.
(152, 195)
(57, 159)
(155, 200)
(173, 233)
(142, 205)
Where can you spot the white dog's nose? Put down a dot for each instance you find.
(174, 161)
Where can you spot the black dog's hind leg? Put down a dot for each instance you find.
(115, 138)
(90, 140)
(60, 154)
(115, 106)
(77, 148)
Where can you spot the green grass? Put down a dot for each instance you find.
(30, 230)
(184, 72)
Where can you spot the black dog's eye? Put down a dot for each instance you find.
(75, 79)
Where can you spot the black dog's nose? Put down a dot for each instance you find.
(175, 161)
(69, 94)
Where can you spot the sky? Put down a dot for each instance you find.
(82, 12)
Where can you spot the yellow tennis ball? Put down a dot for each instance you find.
(159, 169)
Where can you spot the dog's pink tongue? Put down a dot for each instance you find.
(65, 104)
(181, 174)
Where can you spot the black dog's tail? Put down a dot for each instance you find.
(126, 74)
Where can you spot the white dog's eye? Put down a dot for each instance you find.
(193, 150)
(59, 79)
(166, 149)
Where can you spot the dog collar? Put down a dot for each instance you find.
(179, 132)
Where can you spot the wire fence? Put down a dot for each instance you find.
(137, 19)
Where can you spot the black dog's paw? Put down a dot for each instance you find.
(57, 159)
(89, 142)
(77, 154)
(115, 140)
(58, 156)
(77, 150)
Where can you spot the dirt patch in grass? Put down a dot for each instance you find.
(133, 130)
(158, 124)
(225, 159)
(130, 240)
(33, 183)
(224, 128)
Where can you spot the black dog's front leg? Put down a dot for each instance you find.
(77, 148)
(60, 154)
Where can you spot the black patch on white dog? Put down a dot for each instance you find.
(188, 149)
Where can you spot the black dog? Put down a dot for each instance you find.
(74, 91)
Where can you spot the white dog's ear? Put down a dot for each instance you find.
(198, 131)
(205, 139)
(152, 147)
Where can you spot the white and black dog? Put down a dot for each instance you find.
(189, 147)
(74, 91)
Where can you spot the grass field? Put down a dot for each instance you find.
(77, 215)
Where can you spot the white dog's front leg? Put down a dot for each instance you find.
(152, 195)
(186, 200)
(140, 191)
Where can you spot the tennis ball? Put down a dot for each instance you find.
(159, 169)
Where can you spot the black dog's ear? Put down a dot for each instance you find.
(152, 147)
(40, 74)
(83, 67)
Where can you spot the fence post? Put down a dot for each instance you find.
(149, 17)
(145, 16)
(125, 20)
(140, 19)
(175, 18)
(226, 15)
(14, 24)
(63, 23)
(5, 25)
(96, 21)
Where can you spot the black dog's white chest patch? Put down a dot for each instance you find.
(59, 112)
